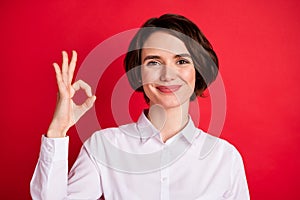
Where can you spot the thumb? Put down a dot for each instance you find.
(89, 102)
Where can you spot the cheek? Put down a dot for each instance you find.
(189, 76)
(149, 76)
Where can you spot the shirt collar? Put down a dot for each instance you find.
(147, 130)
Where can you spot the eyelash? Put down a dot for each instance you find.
(183, 60)
(180, 62)
(152, 63)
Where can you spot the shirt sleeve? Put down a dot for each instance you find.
(240, 189)
(51, 179)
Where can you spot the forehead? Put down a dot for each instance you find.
(164, 41)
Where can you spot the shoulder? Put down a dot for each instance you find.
(215, 146)
(112, 135)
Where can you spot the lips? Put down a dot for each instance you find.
(169, 88)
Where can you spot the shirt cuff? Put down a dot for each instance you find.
(54, 149)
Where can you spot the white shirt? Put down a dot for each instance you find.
(132, 162)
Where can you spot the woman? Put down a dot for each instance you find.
(171, 62)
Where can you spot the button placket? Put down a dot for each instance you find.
(164, 174)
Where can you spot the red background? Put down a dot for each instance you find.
(258, 45)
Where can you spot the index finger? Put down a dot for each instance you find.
(83, 85)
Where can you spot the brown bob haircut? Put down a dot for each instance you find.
(204, 58)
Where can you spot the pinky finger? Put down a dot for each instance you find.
(57, 71)
(58, 75)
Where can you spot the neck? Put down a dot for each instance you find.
(169, 121)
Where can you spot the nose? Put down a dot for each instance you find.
(168, 73)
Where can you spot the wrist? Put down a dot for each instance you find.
(55, 132)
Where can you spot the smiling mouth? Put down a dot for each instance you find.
(168, 89)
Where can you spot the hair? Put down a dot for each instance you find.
(204, 58)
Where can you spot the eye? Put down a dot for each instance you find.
(153, 63)
(183, 62)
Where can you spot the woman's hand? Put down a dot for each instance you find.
(67, 113)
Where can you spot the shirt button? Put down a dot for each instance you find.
(164, 179)
(49, 148)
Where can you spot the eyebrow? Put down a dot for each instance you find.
(183, 55)
(158, 57)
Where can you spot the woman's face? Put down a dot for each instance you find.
(168, 72)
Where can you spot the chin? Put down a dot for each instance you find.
(170, 103)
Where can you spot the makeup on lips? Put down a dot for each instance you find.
(168, 89)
